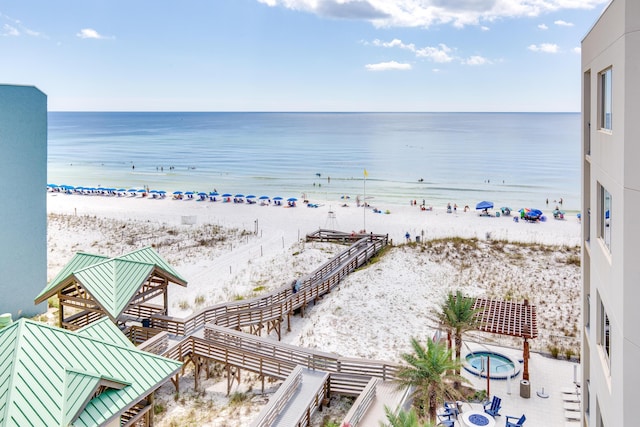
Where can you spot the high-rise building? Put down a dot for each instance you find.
(610, 383)
(23, 213)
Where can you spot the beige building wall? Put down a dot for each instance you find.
(611, 255)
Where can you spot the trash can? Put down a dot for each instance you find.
(417, 239)
(525, 389)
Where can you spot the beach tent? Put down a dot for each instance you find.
(484, 205)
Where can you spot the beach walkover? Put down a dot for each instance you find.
(310, 376)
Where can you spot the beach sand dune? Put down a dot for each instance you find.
(238, 251)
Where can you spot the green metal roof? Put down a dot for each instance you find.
(48, 375)
(149, 255)
(79, 261)
(112, 282)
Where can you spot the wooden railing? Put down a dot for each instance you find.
(315, 401)
(279, 399)
(276, 304)
(158, 344)
(362, 403)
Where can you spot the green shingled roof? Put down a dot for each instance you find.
(112, 282)
(48, 375)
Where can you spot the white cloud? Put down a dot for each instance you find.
(544, 47)
(15, 28)
(562, 23)
(577, 50)
(484, 28)
(440, 53)
(395, 43)
(543, 27)
(90, 33)
(425, 13)
(476, 60)
(385, 66)
(9, 30)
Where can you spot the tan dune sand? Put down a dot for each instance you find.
(239, 250)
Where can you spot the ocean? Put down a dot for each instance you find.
(511, 159)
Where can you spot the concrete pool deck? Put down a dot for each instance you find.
(552, 375)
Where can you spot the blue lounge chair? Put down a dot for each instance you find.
(446, 422)
(493, 407)
(451, 409)
(518, 423)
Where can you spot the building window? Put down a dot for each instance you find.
(605, 100)
(605, 217)
(605, 332)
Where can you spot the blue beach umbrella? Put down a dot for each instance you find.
(132, 190)
(162, 192)
(250, 196)
(239, 195)
(292, 199)
(277, 198)
(188, 193)
(142, 190)
(213, 193)
(122, 190)
(484, 205)
(177, 192)
(263, 197)
(202, 194)
(227, 195)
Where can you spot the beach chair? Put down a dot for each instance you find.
(451, 409)
(493, 407)
(445, 420)
(520, 421)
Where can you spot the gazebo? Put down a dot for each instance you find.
(90, 377)
(509, 318)
(90, 287)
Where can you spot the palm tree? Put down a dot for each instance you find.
(403, 419)
(431, 371)
(458, 316)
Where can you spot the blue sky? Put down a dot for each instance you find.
(298, 55)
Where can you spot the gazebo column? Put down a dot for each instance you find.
(525, 357)
(60, 310)
(165, 294)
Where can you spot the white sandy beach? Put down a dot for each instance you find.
(238, 250)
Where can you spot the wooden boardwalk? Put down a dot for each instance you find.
(230, 334)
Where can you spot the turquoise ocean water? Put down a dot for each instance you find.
(513, 159)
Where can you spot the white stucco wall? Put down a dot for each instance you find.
(613, 275)
(23, 216)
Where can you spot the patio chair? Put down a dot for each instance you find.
(451, 409)
(445, 420)
(518, 423)
(493, 407)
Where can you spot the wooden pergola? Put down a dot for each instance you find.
(92, 286)
(509, 318)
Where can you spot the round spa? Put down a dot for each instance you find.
(501, 366)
